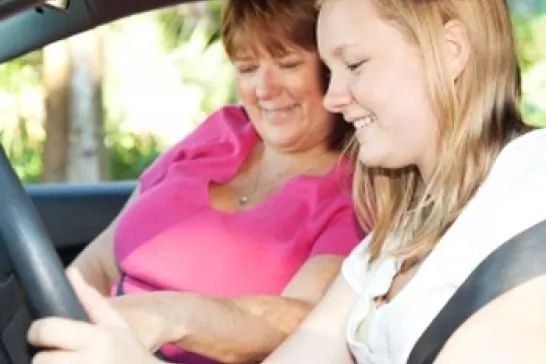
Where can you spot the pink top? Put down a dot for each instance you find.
(171, 238)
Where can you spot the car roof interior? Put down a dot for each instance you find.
(27, 25)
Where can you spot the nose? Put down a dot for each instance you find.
(337, 96)
(267, 83)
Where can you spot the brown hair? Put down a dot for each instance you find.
(274, 27)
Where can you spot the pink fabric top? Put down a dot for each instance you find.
(171, 238)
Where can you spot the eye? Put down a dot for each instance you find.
(243, 69)
(289, 64)
(354, 66)
(289, 61)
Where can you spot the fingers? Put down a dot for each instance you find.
(56, 332)
(56, 357)
(96, 306)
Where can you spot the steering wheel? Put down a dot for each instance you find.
(32, 279)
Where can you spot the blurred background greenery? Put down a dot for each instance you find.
(102, 105)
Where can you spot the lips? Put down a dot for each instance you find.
(278, 108)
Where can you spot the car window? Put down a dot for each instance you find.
(102, 105)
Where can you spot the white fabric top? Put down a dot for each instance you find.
(512, 199)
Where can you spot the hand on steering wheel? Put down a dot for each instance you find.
(107, 340)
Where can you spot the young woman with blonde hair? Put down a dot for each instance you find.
(447, 172)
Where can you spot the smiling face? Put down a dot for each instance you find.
(378, 83)
(283, 96)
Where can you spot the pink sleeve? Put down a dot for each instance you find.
(341, 236)
(223, 124)
(158, 169)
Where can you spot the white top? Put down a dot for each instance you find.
(512, 199)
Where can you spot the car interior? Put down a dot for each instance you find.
(43, 227)
(72, 214)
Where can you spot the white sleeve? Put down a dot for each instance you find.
(355, 266)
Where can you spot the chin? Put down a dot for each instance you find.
(375, 160)
(369, 159)
(282, 141)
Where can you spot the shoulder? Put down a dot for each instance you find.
(512, 327)
(356, 266)
(229, 121)
(511, 199)
(521, 160)
(516, 192)
(226, 131)
(230, 115)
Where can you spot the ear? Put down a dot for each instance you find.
(457, 47)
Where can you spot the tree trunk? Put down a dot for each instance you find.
(87, 151)
(74, 149)
(56, 76)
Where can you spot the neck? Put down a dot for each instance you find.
(269, 168)
(313, 161)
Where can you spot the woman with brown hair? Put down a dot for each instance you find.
(236, 232)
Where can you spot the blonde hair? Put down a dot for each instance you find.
(477, 114)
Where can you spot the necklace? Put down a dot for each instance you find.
(244, 199)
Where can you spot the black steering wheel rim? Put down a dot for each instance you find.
(31, 253)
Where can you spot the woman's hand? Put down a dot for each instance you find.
(107, 340)
(146, 314)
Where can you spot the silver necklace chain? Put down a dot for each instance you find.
(244, 199)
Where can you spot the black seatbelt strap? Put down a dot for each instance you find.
(520, 259)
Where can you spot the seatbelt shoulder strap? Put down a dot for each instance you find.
(520, 259)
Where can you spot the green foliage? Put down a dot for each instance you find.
(130, 154)
(21, 147)
(192, 40)
(530, 35)
(180, 23)
(531, 43)
(23, 152)
(19, 73)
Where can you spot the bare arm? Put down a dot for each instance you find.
(96, 262)
(235, 329)
(510, 329)
(320, 339)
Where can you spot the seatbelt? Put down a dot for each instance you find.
(520, 259)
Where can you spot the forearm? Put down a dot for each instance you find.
(320, 338)
(232, 330)
(96, 262)
(94, 275)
